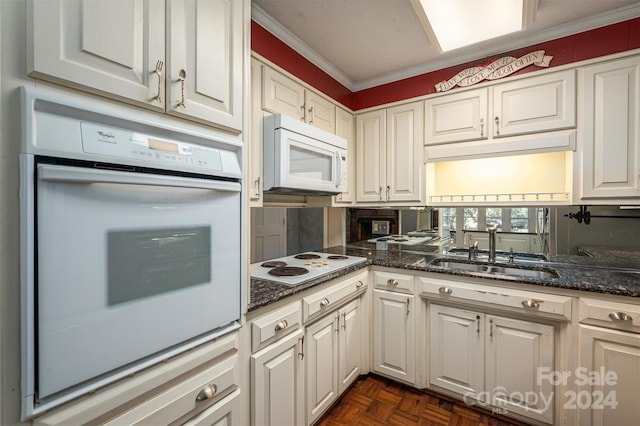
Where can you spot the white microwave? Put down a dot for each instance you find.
(300, 159)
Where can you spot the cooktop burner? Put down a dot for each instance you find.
(306, 266)
(274, 264)
(307, 256)
(288, 271)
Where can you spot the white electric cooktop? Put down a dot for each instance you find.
(296, 269)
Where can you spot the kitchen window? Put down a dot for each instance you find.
(471, 219)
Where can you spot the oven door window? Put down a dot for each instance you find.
(129, 265)
(148, 262)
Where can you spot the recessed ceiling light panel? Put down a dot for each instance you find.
(459, 23)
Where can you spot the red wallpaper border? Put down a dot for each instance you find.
(602, 41)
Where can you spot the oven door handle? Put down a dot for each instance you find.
(52, 173)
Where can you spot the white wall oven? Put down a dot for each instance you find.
(130, 243)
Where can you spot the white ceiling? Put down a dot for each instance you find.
(365, 43)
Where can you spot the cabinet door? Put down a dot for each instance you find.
(321, 352)
(109, 47)
(456, 350)
(371, 155)
(404, 153)
(517, 242)
(205, 61)
(277, 380)
(282, 95)
(611, 157)
(320, 112)
(345, 127)
(350, 346)
(536, 104)
(614, 356)
(394, 335)
(481, 237)
(456, 117)
(516, 352)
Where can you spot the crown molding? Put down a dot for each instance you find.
(287, 37)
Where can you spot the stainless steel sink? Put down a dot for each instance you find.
(484, 268)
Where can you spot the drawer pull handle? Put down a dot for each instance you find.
(392, 282)
(324, 302)
(208, 392)
(620, 316)
(360, 284)
(530, 304)
(445, 290)
(281, 325)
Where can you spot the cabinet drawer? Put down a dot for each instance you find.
(327, 299)
(224, 412)
(393, 282)
(187, 398)
(621, 316)
(527, 302)
(274, 325)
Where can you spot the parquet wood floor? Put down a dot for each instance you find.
(376, 401)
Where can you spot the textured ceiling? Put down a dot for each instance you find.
(364, 43)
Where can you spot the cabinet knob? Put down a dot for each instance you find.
(281, 325)
(208, 392)
(324, 302)
(360, 284)
(530, 304)
(620, 316)
(445, 290)
(497, 120)
(392, 282)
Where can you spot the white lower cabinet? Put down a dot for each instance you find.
(610, 363)
(333, 353)
(456, 348)
(277, 378)
(516, 354)
(492, 360)
(610, 396)
(394, 335)
(277, 367)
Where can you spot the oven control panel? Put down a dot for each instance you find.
(122, 143)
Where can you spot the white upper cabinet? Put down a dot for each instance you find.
(389, 155)
(371, 152)
(280, 94)
(533, 114)
(283, 95)
(204, 60)
(116, 48)
(320, 112)
(611, 145)
(345, 127)
(537, 104)
(106, 46)
(457, 117)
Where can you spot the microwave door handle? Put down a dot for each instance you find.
(339, 167)
(53, 173)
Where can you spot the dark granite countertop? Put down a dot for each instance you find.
(609, 272)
